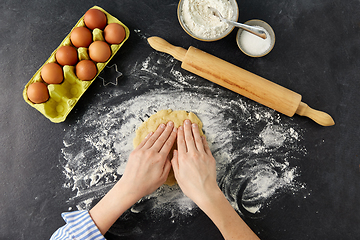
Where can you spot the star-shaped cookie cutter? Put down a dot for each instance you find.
(110, 75)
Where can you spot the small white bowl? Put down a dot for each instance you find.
(201, 38)
(260, 23)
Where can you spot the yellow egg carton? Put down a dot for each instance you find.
(64, 96)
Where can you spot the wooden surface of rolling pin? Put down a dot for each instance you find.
(241, 81)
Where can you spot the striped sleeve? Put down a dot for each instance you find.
(79, 225)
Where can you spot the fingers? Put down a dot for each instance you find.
(198, 140)
(188, 138)
(169, 141)
(191, 139)
(143, 142)
(181, 145)
(188, 134)
(162, 134)
(152, 139)
(175, 162)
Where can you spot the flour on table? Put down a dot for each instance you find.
(256, 148)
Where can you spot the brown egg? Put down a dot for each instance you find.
(66, 55)
(86, 70)
(81, 37)
(37, 92)
(99, 51)
(52, 73)
(114, 33)
(95, 18)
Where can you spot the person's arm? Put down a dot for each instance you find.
(79, 225)
(195, 171)
(147, 169)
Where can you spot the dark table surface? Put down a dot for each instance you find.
(288, 178)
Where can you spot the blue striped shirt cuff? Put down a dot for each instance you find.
(79, 225)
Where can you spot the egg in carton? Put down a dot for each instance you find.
(64, 96)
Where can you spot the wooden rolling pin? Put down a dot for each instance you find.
(241, 81)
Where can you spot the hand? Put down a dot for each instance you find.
(148, 165)
(193, 164)
(147, 169)
(195, 171)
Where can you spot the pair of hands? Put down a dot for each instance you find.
(195, 171)
(193, 164)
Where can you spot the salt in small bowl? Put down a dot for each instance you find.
(254, 43)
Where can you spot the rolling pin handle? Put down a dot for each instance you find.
(319, 117)
(162, 45)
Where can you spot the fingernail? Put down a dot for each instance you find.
(181, 128)
(187, 121)
(170, 124)
(162, 125)
(149, 134)
(175, 129)
(194, 125)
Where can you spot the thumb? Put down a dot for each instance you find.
(175, 162)
(167, 168)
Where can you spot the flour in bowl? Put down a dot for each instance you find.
(200, 20)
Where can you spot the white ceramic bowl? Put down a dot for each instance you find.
(260, 23)
(219, 36)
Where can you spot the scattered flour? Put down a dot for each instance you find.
(255, 147)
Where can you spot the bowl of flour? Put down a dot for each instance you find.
(197, 19)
